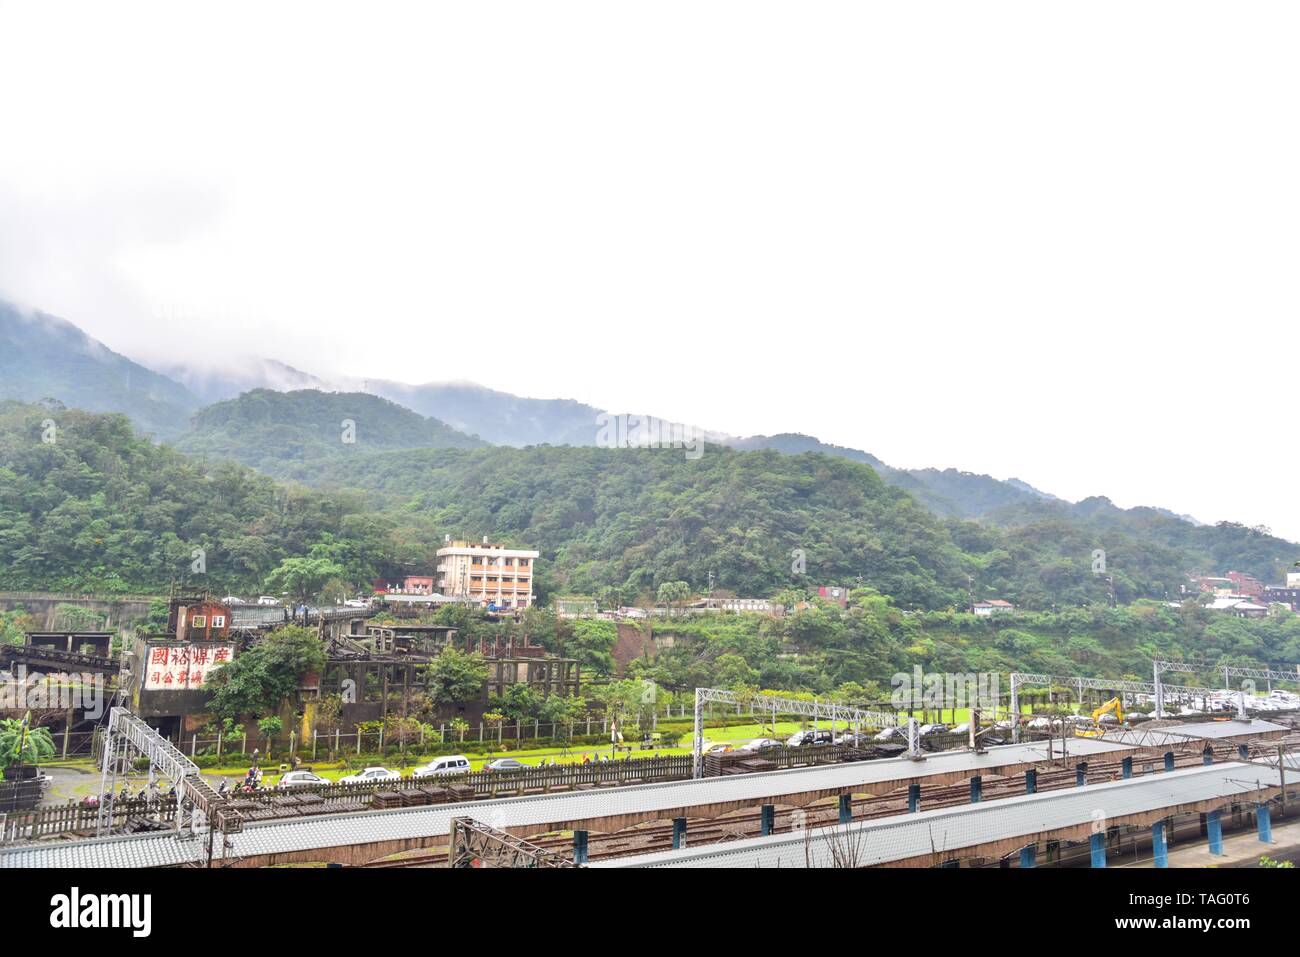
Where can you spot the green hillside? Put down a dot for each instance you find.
(634, 518)
(278, 431)
(101, 509)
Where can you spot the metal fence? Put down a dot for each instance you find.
(317, 799)
(76, 816)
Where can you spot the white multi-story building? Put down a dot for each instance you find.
(487, 573)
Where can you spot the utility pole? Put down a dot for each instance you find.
(1281, 772)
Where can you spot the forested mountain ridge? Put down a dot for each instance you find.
(499, 417)
(51, 358)
(44, 357)
(632, 518)
(276, 432)
(239, 375)
(102, 508)
(1017, 542)
(95, 507)
(626, 517)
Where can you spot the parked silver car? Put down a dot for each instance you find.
(297, 779)
(445, 765)
(369, 775)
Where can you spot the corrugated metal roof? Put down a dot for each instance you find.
(1179, 733)
(905, 836)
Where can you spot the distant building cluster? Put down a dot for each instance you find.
(478, 573)
(1245, 596)
(487, 574)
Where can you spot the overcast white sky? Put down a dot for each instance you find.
(1055, 241)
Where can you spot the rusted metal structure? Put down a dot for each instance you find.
(475, 844)
(127, 735)
(380, 671)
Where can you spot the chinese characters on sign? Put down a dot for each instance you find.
(184, 667)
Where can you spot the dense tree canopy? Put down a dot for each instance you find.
(97, 508)
(100, 509)
(268, 673)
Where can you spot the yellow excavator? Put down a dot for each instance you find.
(1115, 706)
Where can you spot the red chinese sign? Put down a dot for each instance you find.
(183, 667)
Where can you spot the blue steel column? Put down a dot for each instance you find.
(1098, 843)
(1029, 856)
(1214, 828)
(1158, 846)
(1031, 781)
(1207, 756)
(976, 784)
(679, 833)
(580, 847)
(1264, 819)
(1243, 751)
(1169, 760)
(1080, 774)
(1127, 768)
(767, 819)
(846, 808)
(913, 798)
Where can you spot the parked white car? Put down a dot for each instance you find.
(370, 775)
(297, 779)
(268, 600)
(356, 603)
(438, 767)
(233, 600)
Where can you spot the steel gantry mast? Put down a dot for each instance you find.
(1161, 665)
(776, 704)
(1080, 684)
(127, 735)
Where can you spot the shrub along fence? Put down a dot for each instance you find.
(672, 723)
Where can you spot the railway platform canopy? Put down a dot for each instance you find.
(994, 829)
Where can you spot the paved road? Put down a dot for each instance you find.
(77, 783)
